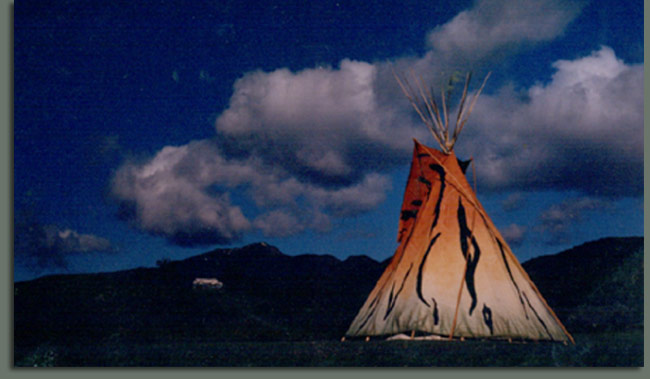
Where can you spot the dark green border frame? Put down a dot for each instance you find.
(6, 236)
(6, 182)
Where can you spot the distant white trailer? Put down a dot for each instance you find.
(207, 284)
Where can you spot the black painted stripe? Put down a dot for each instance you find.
(408, 214)
(372, 311)
(469, 275)
(418, 287)
(512, 279)
(393, 299)
(372, 306)
(390, 296)
(487, 318)
(436, 317)
(441, 172)
(538, 317)
(422, 179)
(472, 262)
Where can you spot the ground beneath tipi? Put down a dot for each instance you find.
(600, 350)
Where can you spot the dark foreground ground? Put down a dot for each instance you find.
(594, 350)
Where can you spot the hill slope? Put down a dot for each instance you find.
(597, 286)
(267, 296)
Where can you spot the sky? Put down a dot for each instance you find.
(164, 129)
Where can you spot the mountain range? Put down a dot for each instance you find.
(269, 296)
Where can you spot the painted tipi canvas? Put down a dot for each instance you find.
(453, 274)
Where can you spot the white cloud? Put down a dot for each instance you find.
(293, 150)
(170, 195)
(583, 130)
(302, 147)
(320, 124)
(493, 25)
(183, 193)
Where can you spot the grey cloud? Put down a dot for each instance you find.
(183, 193)
(170, 195)
(322, 125)
(480, 38)
(514, 234)
(296, 149)
(491, 26)
(557, 222)
(513, 202)
(41, 247)
(352, 200)
(70, 241)
(278, 223)
(581, 131)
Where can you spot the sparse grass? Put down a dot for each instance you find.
(43, 356)
(601, 350)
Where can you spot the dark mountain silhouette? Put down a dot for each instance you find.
(267, 295)
(597, 286)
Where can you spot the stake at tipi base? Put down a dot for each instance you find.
(446, 237)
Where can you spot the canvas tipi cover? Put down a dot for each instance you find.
(453, 274)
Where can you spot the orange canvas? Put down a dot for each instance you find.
(453, 275)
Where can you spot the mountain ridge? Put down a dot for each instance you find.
(270, 296)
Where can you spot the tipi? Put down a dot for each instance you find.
(452, 275)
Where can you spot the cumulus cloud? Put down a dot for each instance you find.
(42, 247)
(184, 194)
(581, 131)
(491, 26)
(295, 149)
(277, 223)
(557, 222)
(322, 125)
(170, 195)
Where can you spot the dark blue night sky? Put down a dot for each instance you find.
(162, 129)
